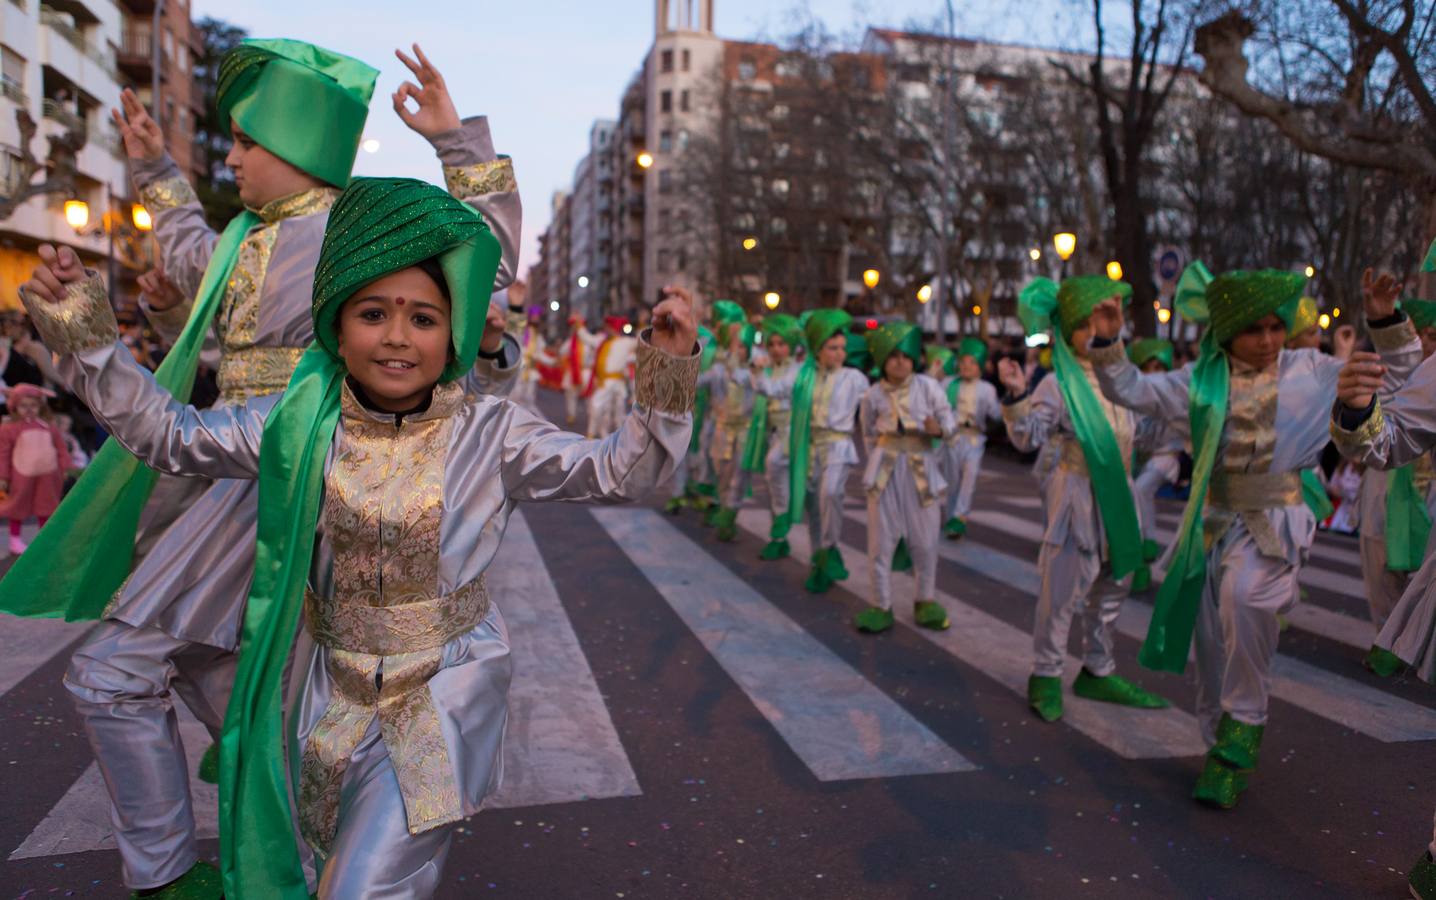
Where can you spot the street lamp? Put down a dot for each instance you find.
(771, 299)
(553, 305)
(142, 218)
(1324, 321)
(749, 243)
(1114, 270)
(1065, 243)
(976, 310)
(1310, 271)
(371, 145)
(583, 281)
(77, 214)
(924, 293)
(1035, 254)
(1164, 315)
(645, 160)
(871, 277)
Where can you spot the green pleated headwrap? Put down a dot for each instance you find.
(1230, 303)
(1106, 468)
(1145, 350)
(1300, 316)
(858, 354)
(786, 327)
(902, 337)
(973, 347)
(304, 104)
(378, 226)
(932, 353)
(1422, 312)
(822, 324)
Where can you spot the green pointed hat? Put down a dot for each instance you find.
(975, 348)
(903, 337)
(1147, 349)
(304, 104)
(785, 327)
(1422, 312)
(1300, 316)
(933, 352)
(822, 324)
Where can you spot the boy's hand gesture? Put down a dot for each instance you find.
(494, 325)
(1380, 293)
(436, 113)
(142, 135)
(674, 329)
(58, 268)
(1107, 319)
(1010, 373)
(1359, 380)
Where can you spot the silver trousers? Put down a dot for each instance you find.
(123, 681)
(1073, 582)
(962, 462)
(775, 471)
(1237, 630)
(1158, 471)
(895, 514)
(1383, 586)
(829, 485)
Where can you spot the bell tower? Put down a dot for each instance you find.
(683, 15)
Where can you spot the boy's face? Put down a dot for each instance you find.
(897, 368)
(394, 338)
(778, 350)
(1081, 337)
(968, 369)
(261, 176)
(1260, 345)
(833, 352)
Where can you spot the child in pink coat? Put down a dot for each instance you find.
(33, 460)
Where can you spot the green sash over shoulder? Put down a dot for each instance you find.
(85, 552)
(1408, 522)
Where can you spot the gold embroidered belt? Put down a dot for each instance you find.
(1247, 496)
(916, 448)
(380, 660)
(252, 372)
(1071, 457)
(779, 419)
(824, 437)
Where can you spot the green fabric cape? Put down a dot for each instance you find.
(1229, 303)
(378, 226)
(1429, 264)
(1408, 521)
(1111, 487)
(822, 324)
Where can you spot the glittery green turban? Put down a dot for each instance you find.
(1300, 316)
(785, 327)
(902, 337)
(1043, 304)
(858, 354)
(975, 348)
(1422, 312)
(300, 102)
(1147, 349)
(822, 324)
(376, 227)
(1233, 301)
(932, 353)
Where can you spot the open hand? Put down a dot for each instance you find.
(141, 134)
(675, 331)
(1380, 293)
(57, 269)
(1359, 380)
(436, 113)
(1107, 319)
(1010, 373)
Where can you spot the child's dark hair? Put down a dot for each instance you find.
(435, 272)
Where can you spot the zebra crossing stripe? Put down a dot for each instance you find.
(1351, 704)
(1327, 623)
(1004, 653)
(836, 721)
(27, 644)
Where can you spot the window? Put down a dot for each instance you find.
(687, 60)
(12, 74)
(780, 188)
(747, 69)
(780, 112)
(665, 181)
(820, 193)
(682, 259)
(781, 150)
(665, 141)
(746, 221)
(665, 220)
(683, 139)
(787, 68)
(779, 225)
(666, 64)
(683, 101)
(665, 101)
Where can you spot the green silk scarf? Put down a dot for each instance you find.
(755, 443)
(92, 533)
(954, 387)
(1408, 522)
(1314, 494)
(799, 448)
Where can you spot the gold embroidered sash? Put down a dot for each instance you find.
(252, 372)
(1247, 496)
(916, 448)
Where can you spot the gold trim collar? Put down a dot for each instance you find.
(304, 203)
(448, 399)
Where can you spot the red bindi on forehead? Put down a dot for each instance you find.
(398, 301)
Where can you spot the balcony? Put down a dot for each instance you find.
(67, 31)
(136, 57)
(56, 112)
(11, 91)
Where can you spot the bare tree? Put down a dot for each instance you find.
(59, 165)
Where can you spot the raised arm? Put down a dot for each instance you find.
(166, 435)
(1384, 433)
(1033, 417)
(1161, 395)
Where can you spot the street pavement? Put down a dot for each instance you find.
(687, 721)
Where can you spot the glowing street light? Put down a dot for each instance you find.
(1164, 316)
(627, 328)
(1324, 321)
(1035, 254)
(1065, 243)
(1311, 271)
(924, 293)
(553, 305)
(583, 281)
(77, 214)
(749, 243)
(645, 160)
(1114, 270)
(771, 299)
(871, 277)
(142, 218)
(976, 310)
(1336, 312)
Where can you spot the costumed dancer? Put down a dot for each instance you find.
(33, 460)
(766, 446)
(975, 405)
(1092, 542)
(170, 578)
(1256, 415)
(821, 452)
(526, 327)
(373, 684)
(732, 391)
(577, 362)
(902, 415)
(608, 381)
(1160, 446)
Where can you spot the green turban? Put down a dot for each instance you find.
(785, 327)
(300, 102)
(822, 324)
(709, 342)
(975, 348)
(903, 337)
(1300, 316)
(933, 352)
(1043, 303)
(859, 356)
(727, 312)
(376, 227)
(1232, 302)
(1422, 312)
(1145, 350)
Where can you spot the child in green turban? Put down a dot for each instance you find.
(902, 414)
(767, 441)
(731, 388)
(1092, 542)
(1256, 414)
(383, 495)
(975, 406)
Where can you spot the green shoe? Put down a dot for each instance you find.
(201, 882)
(775, 550)
(902, 559)
(1382, 662)
(725, 524)
(674, 506)
(874, 620)
(930, 615)
(710, 518)
(1044, 695)
(1422, 878)
(954, 528)
(1115, 689)
(1219, 786)
(1151, 550)
(209, 765)
(835, 569)
(818, 581)
(1237, 744)
(706, 490)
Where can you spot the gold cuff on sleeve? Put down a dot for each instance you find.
(82, 321)
(665, 383)
(1111, 354)
(1393, 338)
(167, 193)
(1354, 443)
(493, 177)
(1016, 412)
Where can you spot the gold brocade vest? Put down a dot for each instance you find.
(818, 419)
(912, 443)
(1070, 454)
(248, 369)
(385, 623)
(1243, 485)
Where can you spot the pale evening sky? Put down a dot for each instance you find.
(543, 71)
